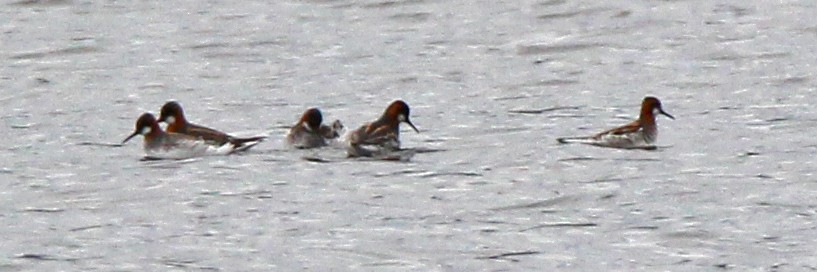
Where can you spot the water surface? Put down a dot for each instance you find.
(491, 86)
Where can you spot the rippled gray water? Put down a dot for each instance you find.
(491, 85)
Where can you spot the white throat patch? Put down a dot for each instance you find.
(145, 131)
(170, 120)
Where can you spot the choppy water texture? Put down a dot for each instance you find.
(491, 85)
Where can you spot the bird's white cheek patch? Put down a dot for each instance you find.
(146, 131)
(170, 120)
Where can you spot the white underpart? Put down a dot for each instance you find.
(635, 139)
(628, 140)
(190, 148)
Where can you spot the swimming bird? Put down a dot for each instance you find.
(173, 115)
(382, 135)
(159, 144)
(640, 133)
(310, 133)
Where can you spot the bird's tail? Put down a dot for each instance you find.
(570, 140)
(242, 144)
